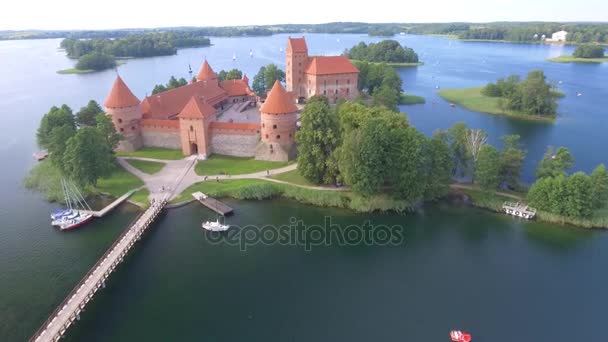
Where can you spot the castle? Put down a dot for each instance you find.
(224, 117)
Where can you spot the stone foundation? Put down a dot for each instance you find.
(129, 143)
(243, 145)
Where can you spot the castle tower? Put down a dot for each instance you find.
(194, 122)
(245, 79)
(123, 107)
(206, 73)
(278, 119)
(296, 55)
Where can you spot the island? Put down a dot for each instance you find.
(530, 99)
(99, 54)
(388, 51)
(585, 53)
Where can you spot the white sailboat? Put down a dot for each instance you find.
(215, 226)
(234, 56)
(77, 212)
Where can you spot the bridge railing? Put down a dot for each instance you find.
(86, 276)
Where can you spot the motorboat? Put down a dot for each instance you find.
(215, 226)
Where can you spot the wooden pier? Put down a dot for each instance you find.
(519, 209)
(212, 203)
(109, 207)
(69, 310)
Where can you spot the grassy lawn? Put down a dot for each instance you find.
(472, 99)
(293, 177)
(247, 189)
(572, 59)
(409, 99)
(154, 153)
(118, 183)
(219, 164)
(141, 197)
(146, 166)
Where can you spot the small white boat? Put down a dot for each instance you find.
(234, 56)
(250, 53)
(67, 224)
(76, 214)
(579, 94)
(215, 226)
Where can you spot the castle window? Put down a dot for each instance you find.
(191, 128)
(267, 138)
(324, 92)
(132, 128)
(263, 125)
(278, 137)
(119, 120)
(336, 91)
(299, 79)
(347, 90)
(274, 126)
(347, 81)
(122, 129)
(290, 135)
(299, 63)
(336, 82)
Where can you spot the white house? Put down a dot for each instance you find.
(559, 36)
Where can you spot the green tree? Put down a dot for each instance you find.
(578, 200)
(456, 137)
(438, 166)
(512, 159)
(272, 73)
(108, 131)
(234, 74)
(555, 163)
(589, 51)
(86, 115)
(57, 143)
(386, 96)
(317, 139)
(599, 187)
(95, 61)
(259, 83)
(87, 157)
(487, 168)
(56, 117)
(404, 161)
(533, 96)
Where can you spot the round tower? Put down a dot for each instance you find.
(206, 74)
(123, 107)
(278, 116)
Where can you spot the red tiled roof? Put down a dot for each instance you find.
(330, 65)
(297, 44)
(120, 95)
(169, 103)
(234, 125)
(278, 101)
(236, 88)
(160, 122)
(196, 109)
(206, 73)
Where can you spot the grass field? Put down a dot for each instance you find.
(572, 59)
(219, 164)
(118, 183)
(141, 197)
(472, 99)
(146, 166)
(247, 189)
(154, 153)
(293, 177)
(409, 99)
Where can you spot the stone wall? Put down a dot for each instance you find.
(240, 145)
(165, 139)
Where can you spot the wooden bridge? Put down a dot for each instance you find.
(69, 310)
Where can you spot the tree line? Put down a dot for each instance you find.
(381, 82)
(173, 83)
(386, 51)
(532, 96)
(266, 77)
(81, 146)
(589, 51)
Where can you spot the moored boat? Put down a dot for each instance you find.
(76, 214)
(215, 226)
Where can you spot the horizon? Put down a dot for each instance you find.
(65, 15)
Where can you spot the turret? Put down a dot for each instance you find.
(194, 121)
(296, 59)
(123, 107)
(278, 117)
(206, 73)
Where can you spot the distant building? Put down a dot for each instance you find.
(559, 36)
(331, 76)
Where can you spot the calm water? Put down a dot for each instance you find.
(460, 268)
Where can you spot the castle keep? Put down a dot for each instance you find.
(211, 116)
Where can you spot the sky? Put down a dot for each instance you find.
(113, 14)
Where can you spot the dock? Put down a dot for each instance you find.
(519, 210)
(109, 207)
(212, 203)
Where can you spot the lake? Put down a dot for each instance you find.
(459, 268)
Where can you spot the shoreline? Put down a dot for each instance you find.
(572, 59)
